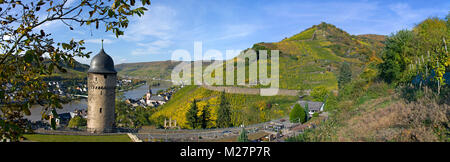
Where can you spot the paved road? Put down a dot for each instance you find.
(253, 91)
(243, 90)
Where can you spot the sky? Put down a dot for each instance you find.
(223, 25)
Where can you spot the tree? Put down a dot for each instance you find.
(447, 18)
(24, 48)
(297, 114)
(433, 35)
(191, 115)
(243, 137)
(345, 75)
(204, 118)
(420, 52)
(224, 113)
(77, 122)
(319, 93)
(306, 112)
(397, 56)
(142, 116)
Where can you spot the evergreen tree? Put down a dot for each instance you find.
(204, 118)
(223, 113)
(191, 115)
(345, 75)
(306, 112)
(243, 137)
(297, 114)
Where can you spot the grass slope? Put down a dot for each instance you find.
(380, 114)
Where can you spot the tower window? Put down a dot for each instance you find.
(95, 78)
(100, 110)
(105, 76)
(101, 92)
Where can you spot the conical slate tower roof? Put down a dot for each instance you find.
(102, 63)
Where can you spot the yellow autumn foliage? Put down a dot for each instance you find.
(240, 105)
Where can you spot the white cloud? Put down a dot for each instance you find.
(406, 13)
(99, 41)
(237, 31)
(119, 60)
(49, 25)
(157, 23)
(153, 31)
(158, 43)
(155, 47)
(357, 17)
(83, 60)
(69, 2)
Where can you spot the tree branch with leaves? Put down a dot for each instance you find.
(25, 45)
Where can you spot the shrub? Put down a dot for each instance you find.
(76, 122)
(319, 93)
(316, 114)
(331, 102)
(303, 137)
(243, 136)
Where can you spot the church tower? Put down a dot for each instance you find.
(101, 93)
(148, 96)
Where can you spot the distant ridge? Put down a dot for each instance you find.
(77, 71)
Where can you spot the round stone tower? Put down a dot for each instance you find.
(101, 94)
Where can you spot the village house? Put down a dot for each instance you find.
(151, 100)
(62, 119)
(313, 107)
(158, 99)
(81, 113)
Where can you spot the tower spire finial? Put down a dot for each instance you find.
(102, 43)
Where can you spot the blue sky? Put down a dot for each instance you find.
(238, 24)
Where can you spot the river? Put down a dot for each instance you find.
(81, 104)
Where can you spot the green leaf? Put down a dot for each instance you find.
(40, 3)
(54, 113)
(66, 46)
(29, 56)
